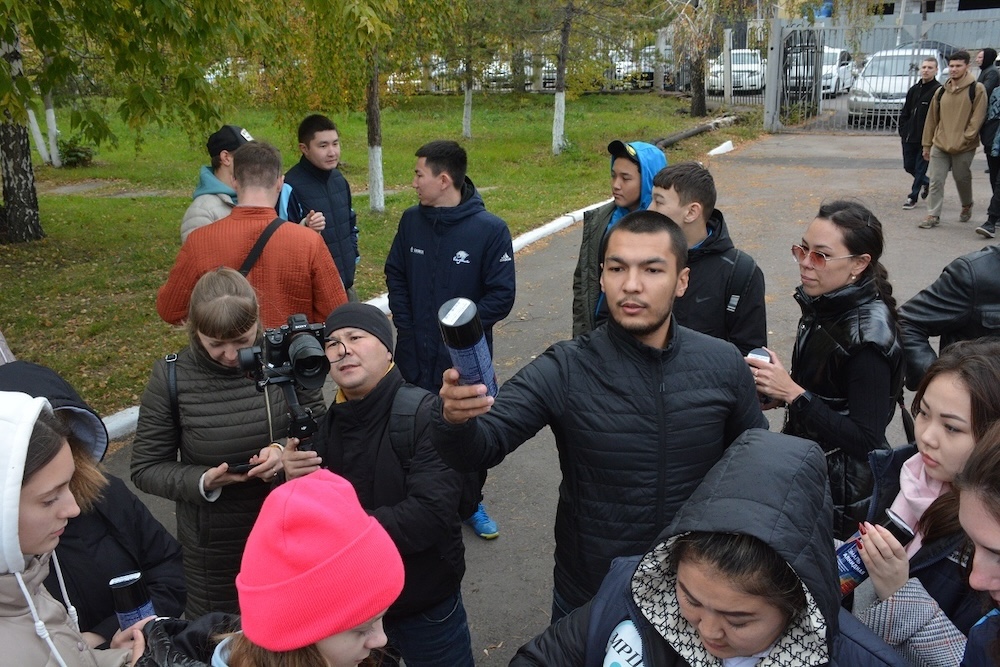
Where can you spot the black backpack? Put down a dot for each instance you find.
(403, 430)
(738, 284)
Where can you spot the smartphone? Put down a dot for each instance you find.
(760, 354)
(241, 468)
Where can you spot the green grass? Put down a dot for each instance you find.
(83, 299)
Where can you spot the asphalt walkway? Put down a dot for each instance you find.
(768, 191)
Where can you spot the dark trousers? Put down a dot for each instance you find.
(993, 212)
(915, 165)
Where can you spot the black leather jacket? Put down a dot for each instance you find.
(962, 304)
(833, 329)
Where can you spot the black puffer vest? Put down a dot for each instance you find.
(833, 328)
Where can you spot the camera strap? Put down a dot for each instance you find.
(258, 247)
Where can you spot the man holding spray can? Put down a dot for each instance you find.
(640, 407)
(447, 246)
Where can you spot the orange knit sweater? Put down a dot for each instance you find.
(294, 274)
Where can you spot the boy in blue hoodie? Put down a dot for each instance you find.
(633, 166)
(215, 195)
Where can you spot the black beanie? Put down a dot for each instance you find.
(361, 316)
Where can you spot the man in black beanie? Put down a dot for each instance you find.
(375, 435)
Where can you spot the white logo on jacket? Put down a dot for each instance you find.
(461, 257)
(416, 251)
(505, 258)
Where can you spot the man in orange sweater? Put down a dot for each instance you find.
(295, 272)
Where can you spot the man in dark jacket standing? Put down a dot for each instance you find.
(962, 304)
(725, 292)
(447, 246)
(416, 500)
(321, 188)
(911, 129)
(641, 409)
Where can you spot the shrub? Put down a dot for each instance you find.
(75, 152)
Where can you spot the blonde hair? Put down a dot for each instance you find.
(88, 482)
(223, 306)
(244, 653)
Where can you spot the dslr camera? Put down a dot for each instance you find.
(291, 353)
(292, 356)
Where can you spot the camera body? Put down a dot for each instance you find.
(292, 352)
(292, 356)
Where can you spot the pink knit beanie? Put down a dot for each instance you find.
(315, 564)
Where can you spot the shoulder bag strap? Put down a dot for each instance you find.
(258, 247)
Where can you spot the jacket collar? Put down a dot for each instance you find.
(314, 171)
(839, 300)
(622, 339)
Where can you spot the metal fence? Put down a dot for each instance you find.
(841, 79)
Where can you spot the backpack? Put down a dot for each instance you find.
(743, 268)
(403, 430)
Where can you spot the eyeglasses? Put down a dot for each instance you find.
(818, 259)
(338, 355)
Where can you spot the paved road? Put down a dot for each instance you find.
(769, 191)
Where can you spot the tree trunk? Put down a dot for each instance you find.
(19, 219)
(467, 85)
(698, 104)
(373, 114)
(50, 122)
(36, 134)
(559, 113)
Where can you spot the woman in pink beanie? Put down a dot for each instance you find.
(317, 575)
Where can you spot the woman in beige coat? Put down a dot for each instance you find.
(36, 467)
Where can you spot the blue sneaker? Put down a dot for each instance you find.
(482, 524)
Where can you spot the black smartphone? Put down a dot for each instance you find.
(241, 468)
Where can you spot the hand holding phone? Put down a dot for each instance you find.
(240, 468)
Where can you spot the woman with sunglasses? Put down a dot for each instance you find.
(847, 363)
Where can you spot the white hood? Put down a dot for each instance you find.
(18, 413)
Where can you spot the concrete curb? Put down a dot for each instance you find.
(122, 424)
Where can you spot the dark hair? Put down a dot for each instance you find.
(216, 162)
(749, 563)
(310, 125)
(976, 364)
(446, 156)
(981, 476)
(47, 439)
(223, 306)
(256, 164)
(929, 59)
(862, 234)
(692, 183)
(959, 55)
(651, 222)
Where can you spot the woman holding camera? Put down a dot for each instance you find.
(847, 364)
(200, 414)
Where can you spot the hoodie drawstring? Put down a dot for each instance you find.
(40, 629)
(70, 609)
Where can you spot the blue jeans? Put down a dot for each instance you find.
(439, 635)
(915, 164)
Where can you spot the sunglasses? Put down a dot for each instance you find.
(818, 259)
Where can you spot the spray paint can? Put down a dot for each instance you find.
(463, 335)
(132, 601)
(851, 568)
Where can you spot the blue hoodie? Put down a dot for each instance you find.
(651, 161)
(209, 184)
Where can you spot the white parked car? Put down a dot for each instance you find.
(748, 71)
(836, 67)
(880, 90)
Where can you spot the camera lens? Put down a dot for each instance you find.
(309, 362)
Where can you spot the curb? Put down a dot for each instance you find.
(122, 424)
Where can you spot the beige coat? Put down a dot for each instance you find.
(953, 121)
